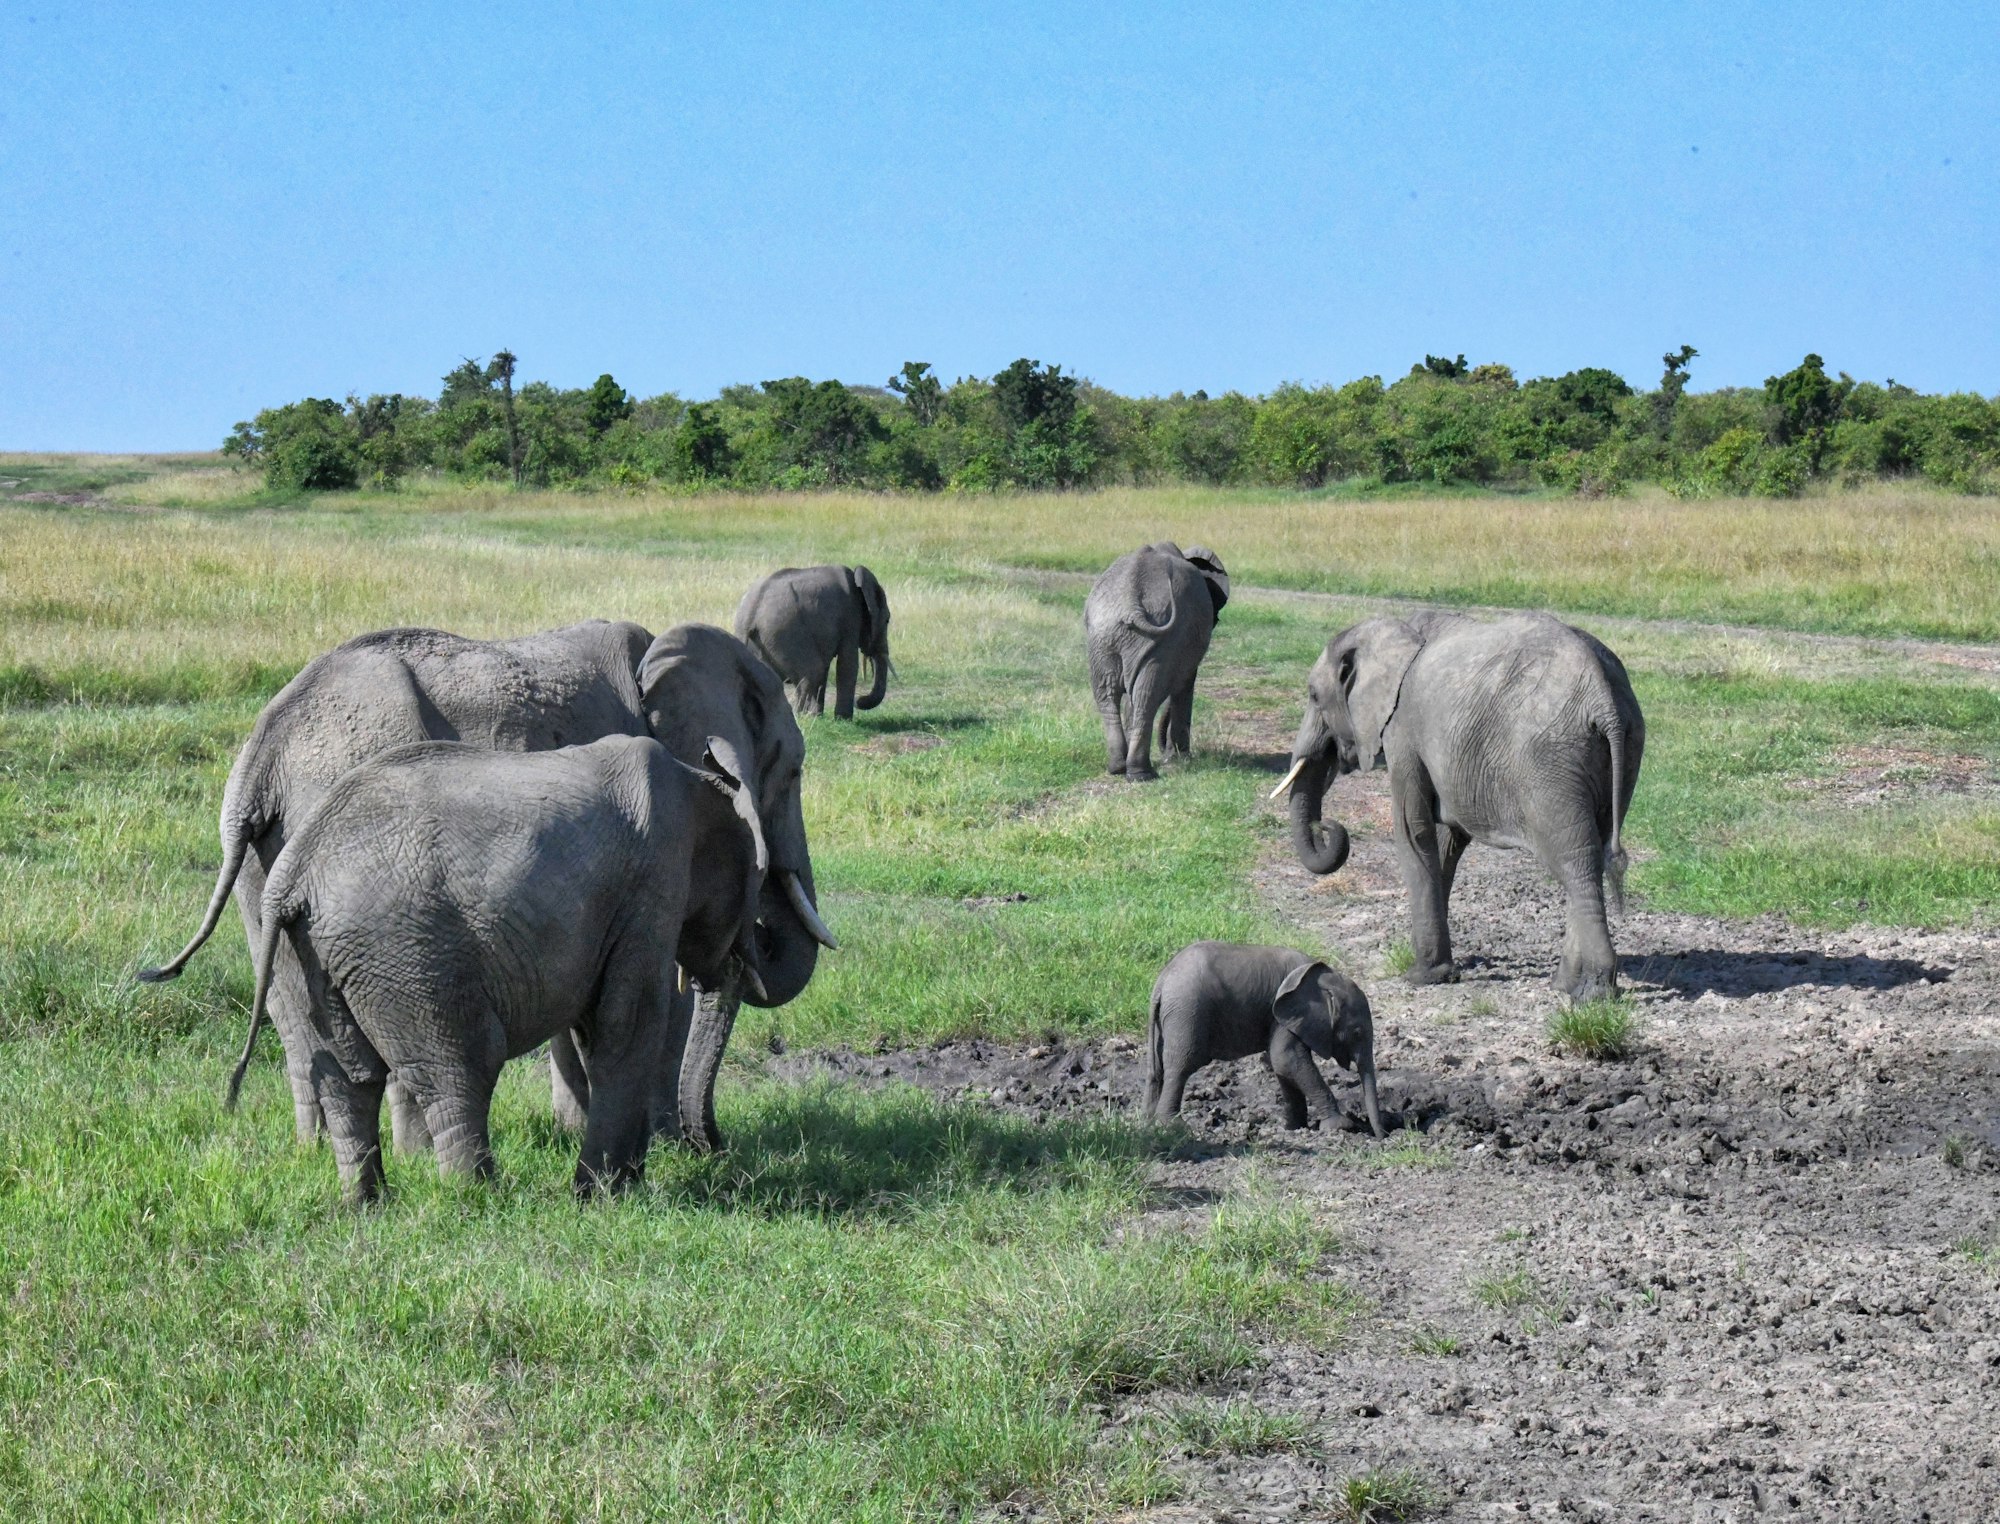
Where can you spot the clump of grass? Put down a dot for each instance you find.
(1381, 1497)
(1515, 1288)
(1399, 958)
(1407, 1150)
(1954, 1151)
(1435, 1342)
(1983, 1252)
(1602, 1029)
(1233, 1427)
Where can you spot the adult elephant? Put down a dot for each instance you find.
(806, 620)
(1146, 627)
(1519, 733)
(536, 693)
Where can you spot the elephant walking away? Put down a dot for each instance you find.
(1226, 1000)
(806, 620)
(1146, 627)
(536, 693)
(453, 907)
(1519, 733)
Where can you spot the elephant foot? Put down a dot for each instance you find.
(1585, 988)
(1434, 973)
(1141, 775)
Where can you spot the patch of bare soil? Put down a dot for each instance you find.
(1874, 775)
(1719, 1279)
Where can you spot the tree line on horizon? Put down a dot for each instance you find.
(1032, 426)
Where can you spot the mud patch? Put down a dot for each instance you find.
(1724, 1278)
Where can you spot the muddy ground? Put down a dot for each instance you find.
(1723, 1278)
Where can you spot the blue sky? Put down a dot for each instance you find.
(208, 209)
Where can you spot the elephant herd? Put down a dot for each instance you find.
(447, 852)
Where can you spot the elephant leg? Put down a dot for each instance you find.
(1110, 711)
(633, 1017)
(457, 1096)
(1176, 723)
(1417, 856)
(1589, 963)
(569, 1084)
(406, 1119)
(1180, 1057)
(287, 1003)
(1300, 1080)
(1148, 693)
(1452, 849)
(353, 1112)
(708, 1035)
(846, 673)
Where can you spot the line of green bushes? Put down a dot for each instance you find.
(1031, 425)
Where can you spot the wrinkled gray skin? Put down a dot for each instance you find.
(1227, 1000)
(1146, 627)
(1521, 733)
(805, 620)
(453, 907)
(573, 685)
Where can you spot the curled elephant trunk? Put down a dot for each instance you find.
(1369, 1103)
(878, 661)
(708, 1035)
(1321, 847)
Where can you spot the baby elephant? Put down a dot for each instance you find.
(1221, 1000)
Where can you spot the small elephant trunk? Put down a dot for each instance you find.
(1368, 1100)
(878, 660)
(1321, 848)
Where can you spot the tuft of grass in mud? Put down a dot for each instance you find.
(1981, 1251)
(1398, 958)
(1601, 1029)
(1382, 1497)
(1232, 1427)
(1435, 1343)
(1505, 1289)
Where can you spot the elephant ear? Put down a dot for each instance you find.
(1374, 682)
(1300, 1008)
(726, 772)
(874, 607)
(1209, 564)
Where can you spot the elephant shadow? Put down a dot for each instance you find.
(877, 723)
(828, 1149)
(1698, 971)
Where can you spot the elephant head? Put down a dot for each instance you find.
(699, 683)
(1327, 1013)
(873, 605)
(1209, 564)
(1350, 698)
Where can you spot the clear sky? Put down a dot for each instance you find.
(207, 209)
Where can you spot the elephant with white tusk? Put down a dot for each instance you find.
(535, 693)
(454, 907)
(1225, 1000)
(806, 620)
(1519, 733)
(1146, 626)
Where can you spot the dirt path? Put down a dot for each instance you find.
(1719, 1280)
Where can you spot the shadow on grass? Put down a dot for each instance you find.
(876, 723)
(831, 1150)
(1699, 971)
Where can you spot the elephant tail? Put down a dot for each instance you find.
(236, 834)
(1615, 860)
(275, 920)
(1156, 1063)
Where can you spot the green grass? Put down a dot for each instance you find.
(1505, 1289)
(871, 1307)
(1603, 1029)
(1435, 1343)
(1382, 1497)
(1208, 1429)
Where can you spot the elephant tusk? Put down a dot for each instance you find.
(1297, 768)
(802, 907)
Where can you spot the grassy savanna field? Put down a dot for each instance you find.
(873, 1307)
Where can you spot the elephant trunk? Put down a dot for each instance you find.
(787, 948)
(1368, 1101)
(708, 1035)
(878, 660)
(1321, 847)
